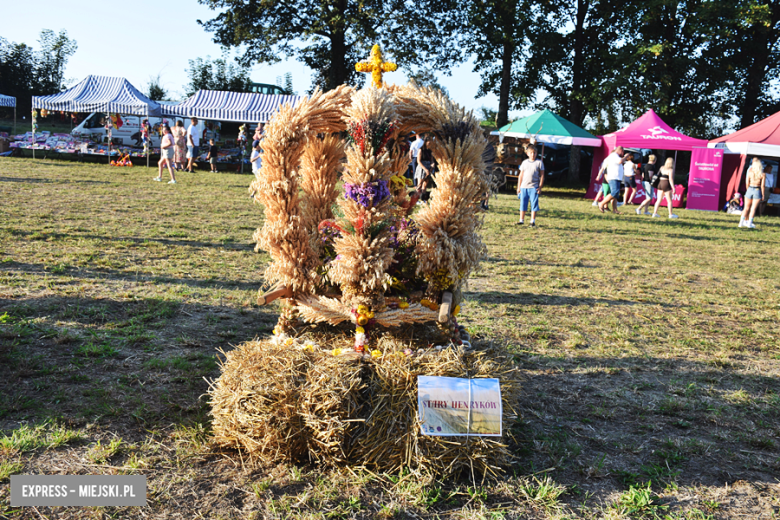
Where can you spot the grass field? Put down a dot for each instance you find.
(649, 347)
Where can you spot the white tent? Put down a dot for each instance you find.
(100, 94)
(240, 107)
(9, 101)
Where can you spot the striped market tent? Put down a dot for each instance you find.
(100, 94)
(241, 107)
(7, 101)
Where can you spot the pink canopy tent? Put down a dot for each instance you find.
(761, 139)
(649, 131)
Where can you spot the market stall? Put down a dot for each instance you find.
(542, 127)
(242, 107)
(112, 95)
(648, 131)
(760, 139)
(9, 101)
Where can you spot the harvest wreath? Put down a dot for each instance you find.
(363, 273)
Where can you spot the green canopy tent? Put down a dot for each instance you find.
(546, 127)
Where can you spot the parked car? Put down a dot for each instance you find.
(129, 133)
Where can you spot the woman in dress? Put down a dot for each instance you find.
(180, 146)
(756, 186)
(166, 155)
(665, 187)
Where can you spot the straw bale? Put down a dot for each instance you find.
(282, 404)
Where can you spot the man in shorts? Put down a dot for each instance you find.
(614, 178)
(529, 185)
(604, 188)
(193, 140)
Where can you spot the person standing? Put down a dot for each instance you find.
(426, 166)
(629, 172)
(259, 133)
(604, 188)
(257, 157)
(212, 156)
(613, 177)
(414, 151)
(769, 183)
(756, 186)
(166, 155)
(193, 141)
(665, 187)
(648, 172)
(180, 146)
(529, 185)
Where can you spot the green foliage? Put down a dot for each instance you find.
(426, 78)
(25, 72)
(8, 468)
(28, 438)
(639, 502)
(218, 74)
(494, 33)
(336, 34)
(154, 89)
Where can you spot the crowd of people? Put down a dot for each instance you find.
(618, 172)
(180, 148)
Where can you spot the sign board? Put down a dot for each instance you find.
(451, 406)
(704, 179)
(677, 196)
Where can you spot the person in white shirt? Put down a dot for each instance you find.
(193, 141)
(256, 158)
(614, 178)
(602, 191)
(414, 151)
(629, 170)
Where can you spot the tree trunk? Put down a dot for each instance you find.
(576, 115)
(756, 75)
(506, 78)
(337, 73)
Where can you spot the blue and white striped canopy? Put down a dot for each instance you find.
(100, 94)
(242, 107)
(7, 101)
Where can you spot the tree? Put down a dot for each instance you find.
(494, 34)
(677, 67)
(574, 61)
(154, 89)
(53, 56)
(17, 72)
(25, 73)
(426, 78)
(216, 75)
(331, 36)
(748, 41)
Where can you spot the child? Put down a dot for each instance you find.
(529, 185)
(256, 159)
(734, 206)
(145, 127)
(212, 156)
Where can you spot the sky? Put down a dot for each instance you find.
(139, 40)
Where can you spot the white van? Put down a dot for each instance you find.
(129, 133)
